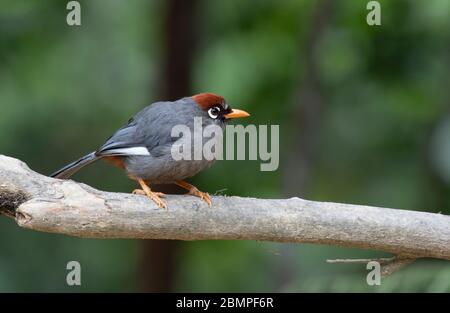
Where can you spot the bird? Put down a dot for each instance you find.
(142, 147)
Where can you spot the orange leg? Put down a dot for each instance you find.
(155, 196)
(194, 191)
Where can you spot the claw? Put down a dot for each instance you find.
(195, 192)
(202, 195)
(155, 196)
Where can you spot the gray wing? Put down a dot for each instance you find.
(148, 132)
(125, 137)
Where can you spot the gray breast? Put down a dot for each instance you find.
(163, 169)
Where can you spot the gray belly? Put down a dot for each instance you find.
(163, 169)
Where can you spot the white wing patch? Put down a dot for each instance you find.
(130, 151)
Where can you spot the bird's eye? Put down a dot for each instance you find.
(214, 112)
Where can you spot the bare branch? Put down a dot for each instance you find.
(379, 260)
(395, 265)
(41, 203)
(388, 265)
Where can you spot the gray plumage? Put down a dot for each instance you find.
(151, 129)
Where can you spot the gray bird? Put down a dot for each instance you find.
(143, 146)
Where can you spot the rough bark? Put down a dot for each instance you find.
(44, 204)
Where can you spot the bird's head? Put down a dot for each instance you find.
(216, 107)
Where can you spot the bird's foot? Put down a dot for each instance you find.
(202, 195)
(155, 196)
(195, 192)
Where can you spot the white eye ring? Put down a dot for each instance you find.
(214, 112)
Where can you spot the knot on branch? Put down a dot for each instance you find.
(10, 199)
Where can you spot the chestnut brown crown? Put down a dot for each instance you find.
(208, 100)
(216, 106)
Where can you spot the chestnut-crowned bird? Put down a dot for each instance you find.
(143, 146)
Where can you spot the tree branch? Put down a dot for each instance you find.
(62, 206)
(388, 265)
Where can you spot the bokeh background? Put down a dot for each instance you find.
(363, 113)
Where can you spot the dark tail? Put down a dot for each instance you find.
(74, 167)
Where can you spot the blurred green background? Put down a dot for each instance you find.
(363, 111)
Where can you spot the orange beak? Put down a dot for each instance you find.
(235, 113)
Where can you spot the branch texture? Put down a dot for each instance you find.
(63, 206)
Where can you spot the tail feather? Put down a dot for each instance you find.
(75, 166)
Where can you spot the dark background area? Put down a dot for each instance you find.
(363, 112)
